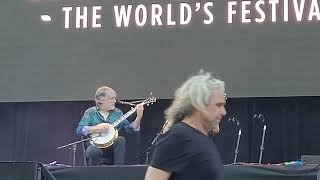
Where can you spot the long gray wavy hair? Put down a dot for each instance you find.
(193, 95)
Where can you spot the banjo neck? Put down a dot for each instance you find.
(151, 99)
(122, 118)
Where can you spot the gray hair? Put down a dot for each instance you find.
(102, 93)
(193, 95)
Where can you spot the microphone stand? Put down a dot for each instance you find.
(155, 139)
(73, 148)
(236, 151)
(262, 142)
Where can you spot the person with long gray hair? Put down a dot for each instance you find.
(97, 119)
(186, 150)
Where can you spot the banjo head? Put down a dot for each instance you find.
(104, 140)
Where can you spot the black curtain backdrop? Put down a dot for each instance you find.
(31, 131)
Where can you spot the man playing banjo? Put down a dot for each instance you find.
(100, 119)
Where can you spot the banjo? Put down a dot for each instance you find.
(105, 140)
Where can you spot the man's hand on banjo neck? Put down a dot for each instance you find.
(137, 121)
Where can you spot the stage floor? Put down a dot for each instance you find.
(232, 172)
(36, 171)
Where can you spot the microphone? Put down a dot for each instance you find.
(237, 122)
(260, 117)
(234, 120)
(127, 103)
